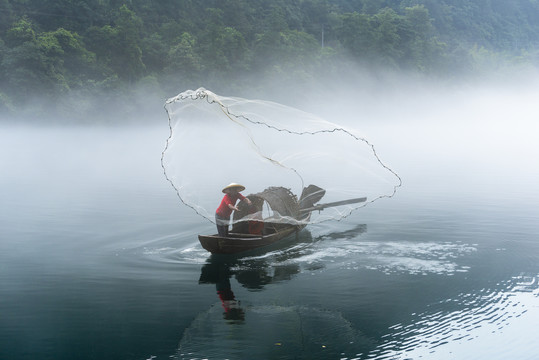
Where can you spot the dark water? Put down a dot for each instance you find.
(98, 260)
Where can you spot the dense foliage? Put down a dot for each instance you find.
(52, 48)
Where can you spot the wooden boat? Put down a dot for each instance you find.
(287, 216)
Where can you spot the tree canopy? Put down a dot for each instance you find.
(55, 47)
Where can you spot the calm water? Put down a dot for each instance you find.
(99, 260)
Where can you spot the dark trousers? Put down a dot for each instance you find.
(222, 225)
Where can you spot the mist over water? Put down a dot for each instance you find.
(100, 259)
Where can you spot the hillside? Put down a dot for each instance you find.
(53, 49)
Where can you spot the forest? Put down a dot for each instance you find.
(62, 52)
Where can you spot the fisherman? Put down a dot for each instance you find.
(228, 204)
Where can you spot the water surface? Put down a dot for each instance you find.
(99, 260)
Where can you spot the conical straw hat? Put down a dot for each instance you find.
(233, 185)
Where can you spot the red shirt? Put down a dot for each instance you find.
(223, 210)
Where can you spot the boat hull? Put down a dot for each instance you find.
(238, 243)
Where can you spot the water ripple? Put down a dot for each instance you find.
(482, 316)
(346, 249)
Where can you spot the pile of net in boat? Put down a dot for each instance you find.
(216, 140)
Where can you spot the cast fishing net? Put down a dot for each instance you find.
(275, 151)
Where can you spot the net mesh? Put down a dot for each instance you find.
(215, 140)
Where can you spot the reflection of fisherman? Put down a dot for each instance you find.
(217, 271)
(233, 309)
(228, 204)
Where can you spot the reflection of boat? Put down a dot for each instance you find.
(264, 329)
(253, 273)
(234, 329)
(286, 216)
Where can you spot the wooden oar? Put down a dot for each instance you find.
(333, 204)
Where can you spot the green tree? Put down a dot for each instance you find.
(357, 35)
(102, 41)
(228, 51)
(289, 50)
(24, 64)
(222, 48)
(5, 101)
(22, 31)
(127, 59)
(240, 15)
(118, 47)
(386, 37)
(75, 15)
(7, 16)
(316, 15)
(25, 69)
(183, 59)
(420, 48)
(154, 53)
(50, 62)
(71, 60)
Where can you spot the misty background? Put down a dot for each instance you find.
(445, 90)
